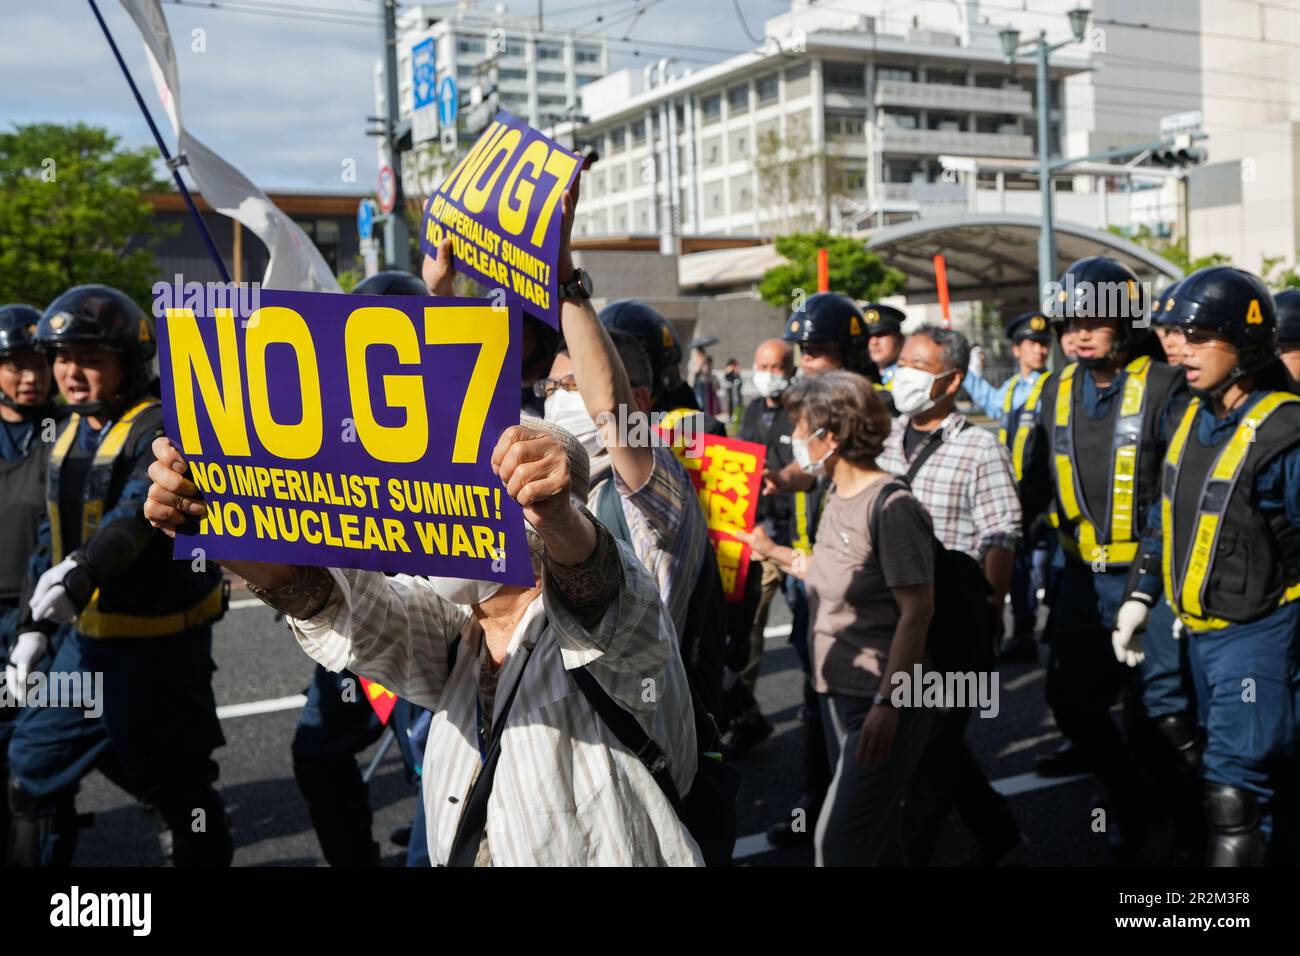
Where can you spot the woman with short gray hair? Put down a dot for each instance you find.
(870, 608)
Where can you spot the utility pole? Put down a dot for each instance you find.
(1041, 54)
(397, 238)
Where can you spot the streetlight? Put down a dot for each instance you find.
(1040, 51)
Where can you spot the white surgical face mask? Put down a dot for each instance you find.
(911, 390)
(769, 384)
(804, 457)
(464, 590)
(568, 410)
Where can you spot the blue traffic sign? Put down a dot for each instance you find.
(365, 218)
(424, 77)
(448, 102)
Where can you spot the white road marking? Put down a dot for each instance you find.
(777, 630)
(1024, 680)
(261, 706)
(240, 603)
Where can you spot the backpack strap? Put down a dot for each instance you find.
(609, 509)
(891, 486)
(629, 733)
(929, 448)
(473, 817)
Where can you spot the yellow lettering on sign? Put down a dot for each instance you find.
(375, 325)
(223, 407)
(518, 196)
(271, 325)
(488, 328)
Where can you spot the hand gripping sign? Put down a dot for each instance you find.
(349, 431)
(501, 206)
(728, 475)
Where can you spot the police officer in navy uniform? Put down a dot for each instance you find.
(338, 722)
(1288, 333)
(24, 411)
(1164, 321)
(1223, 547)
(123, 608)
(1095, 470)
(884, 338)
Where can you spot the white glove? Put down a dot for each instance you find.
(976, 363)
(1126, 639)
(29, 649)
(50, 600)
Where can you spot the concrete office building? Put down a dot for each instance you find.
(539, 73)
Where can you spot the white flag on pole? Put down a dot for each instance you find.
(296, 263)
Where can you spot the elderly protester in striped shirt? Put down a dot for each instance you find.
(493, 664)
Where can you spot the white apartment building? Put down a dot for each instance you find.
(839, 122)
(537, 73)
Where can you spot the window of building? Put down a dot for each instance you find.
(738, 100)
(845, 125)
(739, 144)
(515, 49)
(900, 119)
(582, 81)
(990, 81)
(711, 108)
(325, 234)
(768, 88)
(897, 73)
(946, 122)
(597, 183)
(844, 78)
(546, 51)
(849, 180)
(618, 139)
(511, 74)
(711, 151)
(896, 172)
(638, 132)
(470, 45)
(515, 104)
(584, 54)
(546, 76)
(551, 101)
(618, 179)
(946, 77)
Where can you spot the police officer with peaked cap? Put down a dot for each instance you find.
(884, 338)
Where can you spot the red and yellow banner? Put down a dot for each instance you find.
(728, 476)
(381, 699)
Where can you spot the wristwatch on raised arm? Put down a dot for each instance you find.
(578, 285)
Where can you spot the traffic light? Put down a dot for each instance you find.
(1180, 153)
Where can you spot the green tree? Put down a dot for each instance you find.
(70, 204)
(1175, 252)
(854, 271)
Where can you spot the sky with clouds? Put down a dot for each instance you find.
(283, 88)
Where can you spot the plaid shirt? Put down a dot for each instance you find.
(967, 486)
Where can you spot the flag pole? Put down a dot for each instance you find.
(172, 164)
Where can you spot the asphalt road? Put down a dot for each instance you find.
(262, 673)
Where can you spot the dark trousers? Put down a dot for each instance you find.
(949, 777)
(861, 818)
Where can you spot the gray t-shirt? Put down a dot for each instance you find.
(852, 610)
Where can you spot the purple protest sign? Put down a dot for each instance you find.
(349, 431)
(501, 207)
